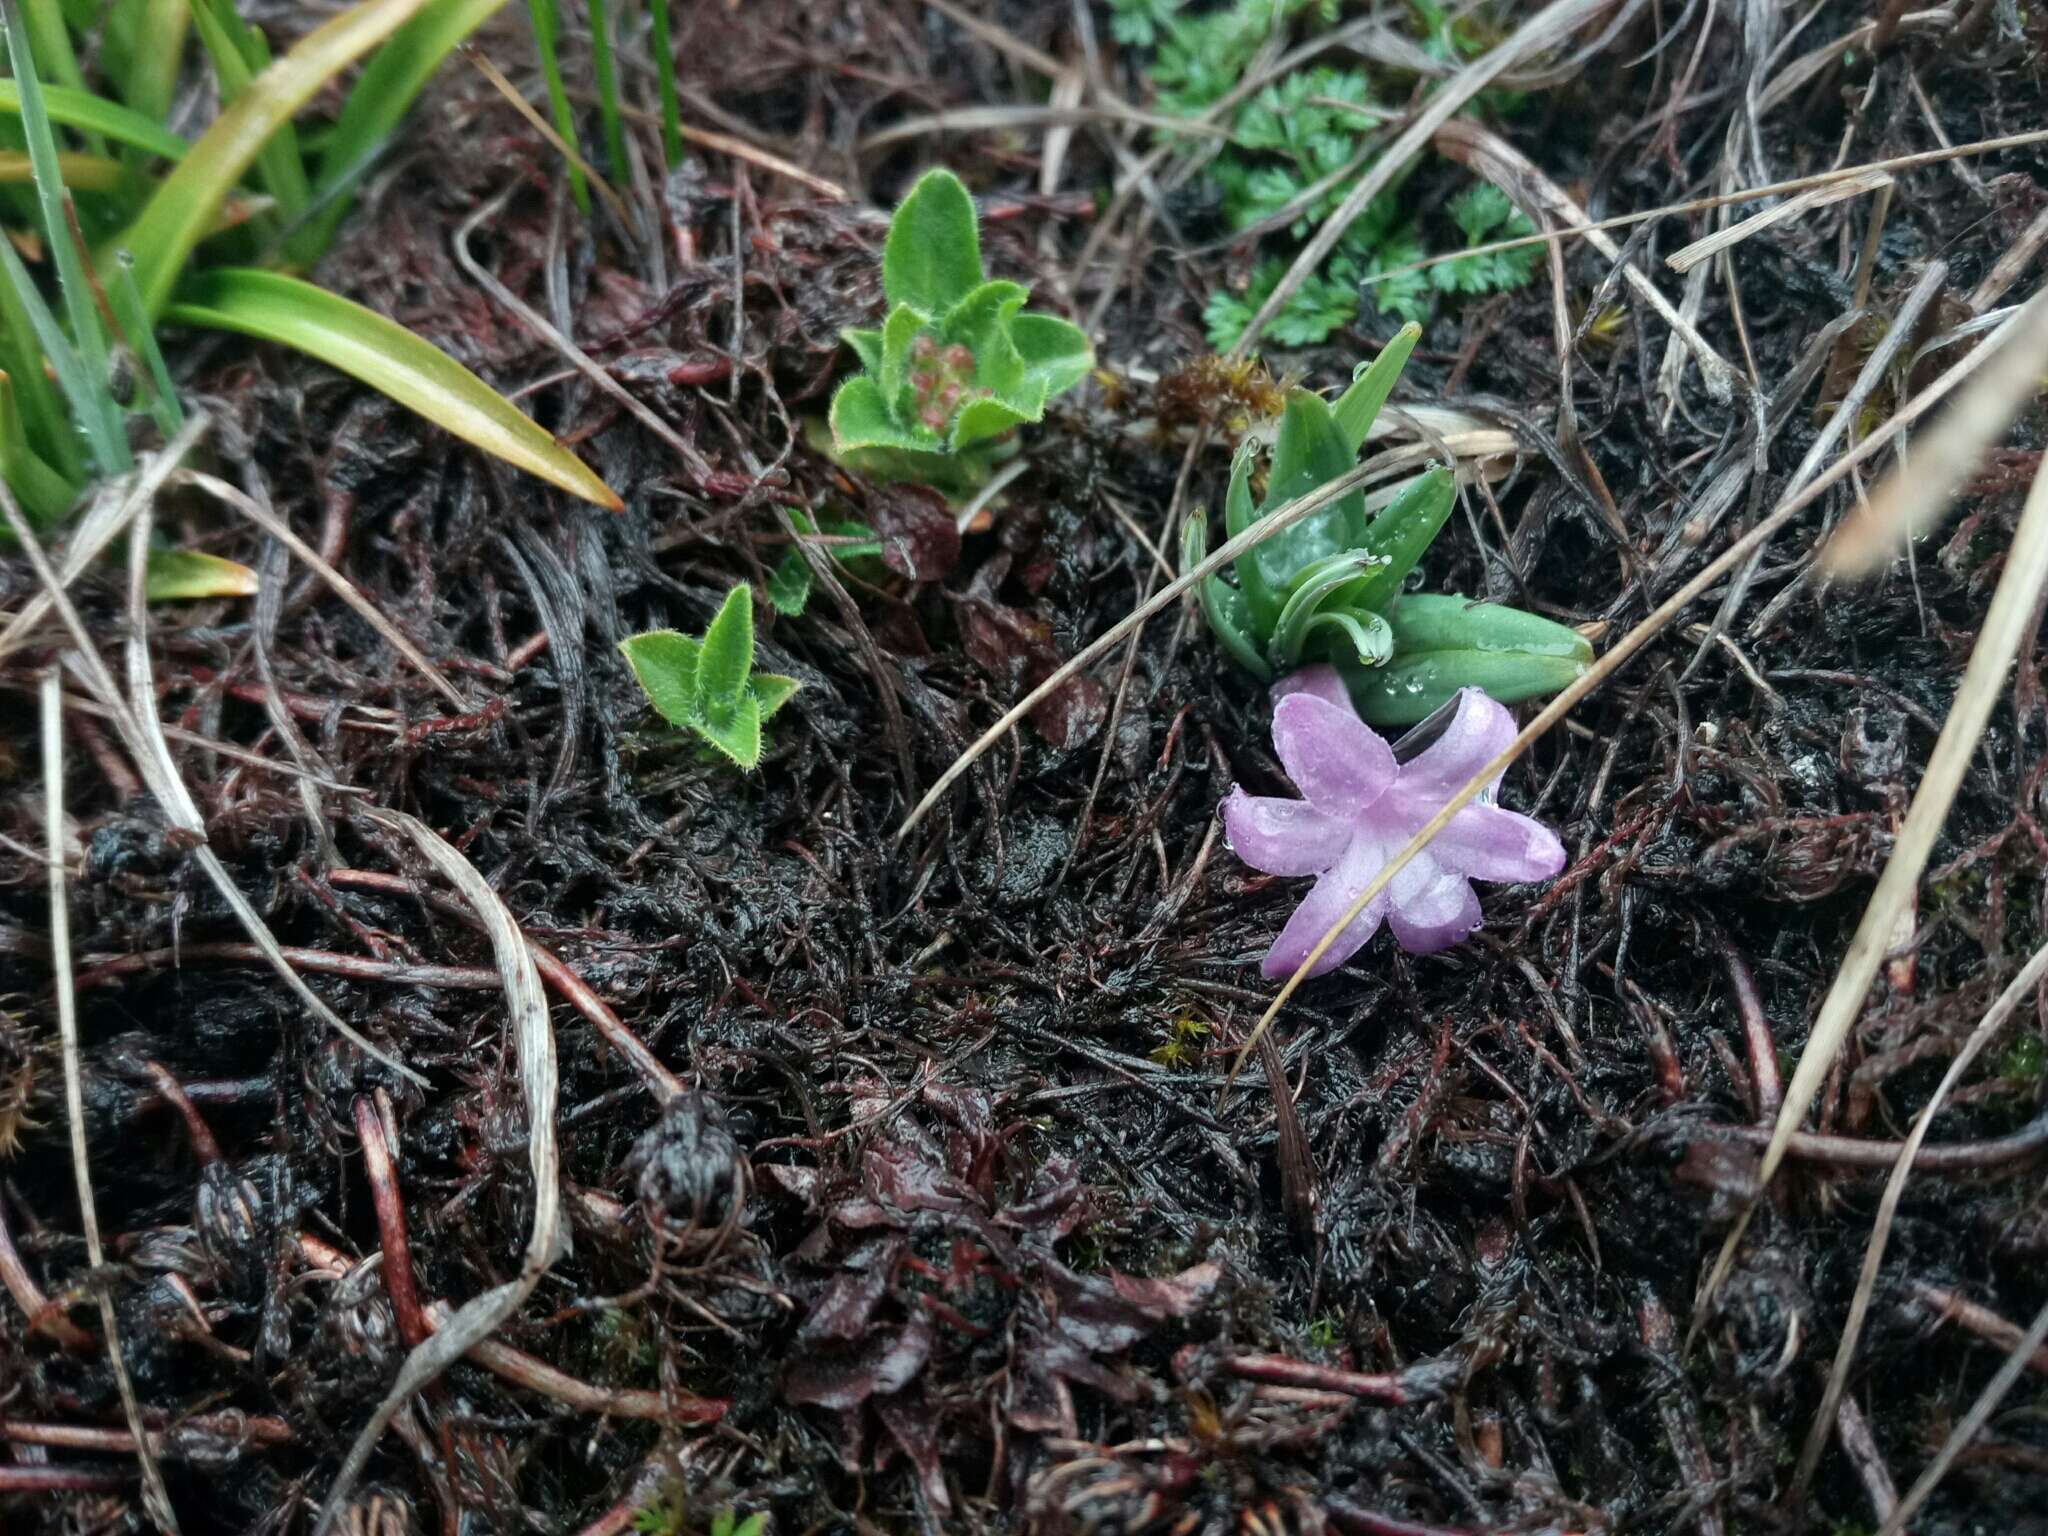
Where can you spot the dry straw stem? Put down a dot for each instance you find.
(1606, 666)
(534, 1046)
(154, 1496)
(142, 735)
(1258, 533)
(1547, 27)
(2005, 625)
(546, 130)
(1910, 501)
(2017, 992)
(1855, 185)
(345, 589)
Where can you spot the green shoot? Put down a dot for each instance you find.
(606, 71)
(665, 78)
(547, 32)
(708, 684)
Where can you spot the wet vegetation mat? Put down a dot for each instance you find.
(503, 1111)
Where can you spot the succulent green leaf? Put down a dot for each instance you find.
(1443, 643)
(1357, 407)
(1310, 453)
(665, 663)
(932, 257)
(1323, 586)
(735, 730)
(861, 418)
(771, 691)
(1222, 604)
(1052, 351)
(1239, 512)
(867, 345)
(1404, 529)
(1360, 637)
(728, 653)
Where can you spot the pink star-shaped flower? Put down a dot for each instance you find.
(1360, 807)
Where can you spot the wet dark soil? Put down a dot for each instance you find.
(933, 1214)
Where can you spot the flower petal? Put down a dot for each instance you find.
(1282, 837)
(1442, 913)
(1333, 893)
(1488, 843)
(1335, 759)
(1323, 682)
(1476, 733)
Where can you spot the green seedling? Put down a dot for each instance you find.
(957, 364)
(708, 685)
(1329, 588)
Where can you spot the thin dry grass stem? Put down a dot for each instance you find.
(546, 130)
(1546, 28)
(1479, 149)
(1914, 496)
(533, 1045)
(1275, 522)
(575, 355)
(1000, 118)
(111, 511)
(142, 736)
(1604, 668)
(156, 1499)
(2012, 261)
(1591, 227)
(343, 588)
(2005, 624)
(1980, 1411)
(2016, 992)
(1687, 257)
(1875, 370)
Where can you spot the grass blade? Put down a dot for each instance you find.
(92, 402)
(176, 218)
(389, 358)
(140, 336)
(81, 173)
(239, 55)
(605, 68)
(389, 85)
(95, 114)
(50, 41)
(44, 494)
(547, 31)
(665, 76)
(143, 49)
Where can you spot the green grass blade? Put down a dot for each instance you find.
(79, 172)
(126, 300)
(385, 92)
(25, 299)
(239, 56)
(44, 494)
(95, 114)
(547, 32)
(606, 70)
(665, 76)
(43, 414)
(389, 358)
(165, 232)
(92, 401)
(50, 41)
(143, 49)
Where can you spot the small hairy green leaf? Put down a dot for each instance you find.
(665, 663)
(932, 257)
(735, 730)
(867, 346)
(728, 654)
(1053, 351)
(789, 584)
(861, 418)
(771, 691)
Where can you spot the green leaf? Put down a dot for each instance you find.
(735, 731)
(35, 347)
(1309, 453)
(789, 584)
(771, 691)
(390, 359)
(547, 29)
(728, 654)
(1405, 528)
(1361, 637)
(867, 345)
(144, 45)
(165, 232)
(665, 79)
(665, 663)
(1443, 643)
(140, 335)
(382, 95)
(94, 114)
(860, 418)
(1322, 585)
(982, 323)
(932, 257)
(988, 417)
(1357, 407)
(1223, 605)
(187, 575)
(45, 494)
(898, 332)
(1052, 350)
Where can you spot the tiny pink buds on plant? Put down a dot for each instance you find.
(1360, 806)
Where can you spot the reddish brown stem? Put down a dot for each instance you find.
(173, 1092)
(325, 961)
(389, 1203)
(1350, 1518)
(259, 1430)
(1953, 1306)
(61, 1479)
(35, 1306)
(1854, 1152)
(523, 1370)
(1757, 1040)
(1417, 1384)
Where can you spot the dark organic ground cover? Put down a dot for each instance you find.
(946, 1223)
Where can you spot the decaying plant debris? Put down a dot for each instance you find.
(896, 1188)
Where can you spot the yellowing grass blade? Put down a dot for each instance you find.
(81, 173)
(388, 358)
(177, 217)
